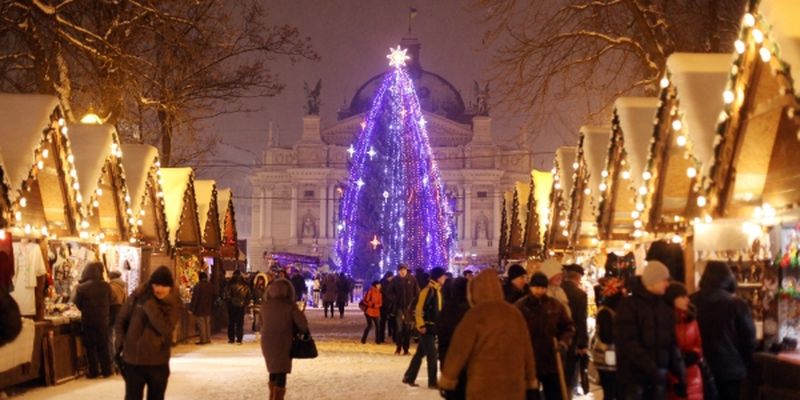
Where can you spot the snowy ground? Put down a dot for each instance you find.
(222, 370)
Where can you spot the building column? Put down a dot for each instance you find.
(496, 203)
(323, 211)
(467, 237)
(266, 217)
(255, 211)
(293, 213)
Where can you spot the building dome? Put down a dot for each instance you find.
(436, 94)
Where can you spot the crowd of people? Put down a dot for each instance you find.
(526, 336)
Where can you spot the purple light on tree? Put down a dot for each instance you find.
(394, 207)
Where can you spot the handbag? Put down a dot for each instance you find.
(709, 384)
(303, 346)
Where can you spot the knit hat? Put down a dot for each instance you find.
(574, 268)
(654, 272)
(515, 271)
(675, 290)
(437, 273)
(162, 277)
(539, 280)
(550, 267)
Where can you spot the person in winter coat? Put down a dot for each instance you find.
(491, 345)
(299, 284)
(329, 293)
(201, 306)
(429, 304)
(237, 295)
(611, 291)
(516, 285)
(387, 311)
(578, 307)
(10, 318)
(93, 298)
(342, 293)
(547, 319)
(259, 290)
(144, 335)
(281, 320)
(644, 338)
(374, 302)
(455, 305)
(404, 291)
(726, 328)
(687, 333)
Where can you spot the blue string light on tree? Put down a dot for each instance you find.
(394, 194)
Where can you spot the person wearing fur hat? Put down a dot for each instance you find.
(547, 320)
(554, 271)
(644, 338)
(490, 348)
(516, 285)
(144, 335)
(93, 298)
(687, 333)
(429, 304)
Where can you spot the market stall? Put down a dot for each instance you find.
(36, 160)
(582, 220)
(185, 237)
(753, 180)
(149, 244)
(229, 250)
(564, 165)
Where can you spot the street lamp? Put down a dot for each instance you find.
(91, 118)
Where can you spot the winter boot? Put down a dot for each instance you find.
(280, 393)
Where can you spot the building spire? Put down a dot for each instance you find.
(412, 12)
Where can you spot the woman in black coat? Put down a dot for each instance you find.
(93, 298)
(726, 328)
(454, 307)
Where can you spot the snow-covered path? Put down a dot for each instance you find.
(344, 369)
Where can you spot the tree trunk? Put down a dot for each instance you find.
(165, 121)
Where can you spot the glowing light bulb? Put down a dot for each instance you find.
(749, 20)
(371, 153)
(701, 201)
(640, 206)
(587, 191)
(603, 187)
(728, 96)
(575, 165)
(643, 190)
(604, 173)
(677, 239)
(70, 159)
(680, 140)
(637, 224)
(360, 182)
(626, 175)
(664, 82)
(40, 165)
(635, 214)
(765, 54)
(739, 46)
(397, 57)
(758, 36)
(677, 125)
(646, 175)
(45, 153)
(23, 202)
(351, 150)
(691, 172)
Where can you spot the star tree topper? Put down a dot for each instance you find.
(397, 57)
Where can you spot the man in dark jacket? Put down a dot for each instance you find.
(299, 284)
(726, 328)
(429, 304)
(342, 293)
(578, 305)
(93, 298)
(547, 321)
(237, 294)
(201, 306)
(144, 335)
(403, 292)
(644, 338)
(516, 285)
(387, 312)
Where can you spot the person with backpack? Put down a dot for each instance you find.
(373, 302)
(237, 294)
(429, 304)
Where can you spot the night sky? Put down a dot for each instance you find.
(353, 37)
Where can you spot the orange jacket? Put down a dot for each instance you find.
(374, 300)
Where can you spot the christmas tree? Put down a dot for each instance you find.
(394, 207)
